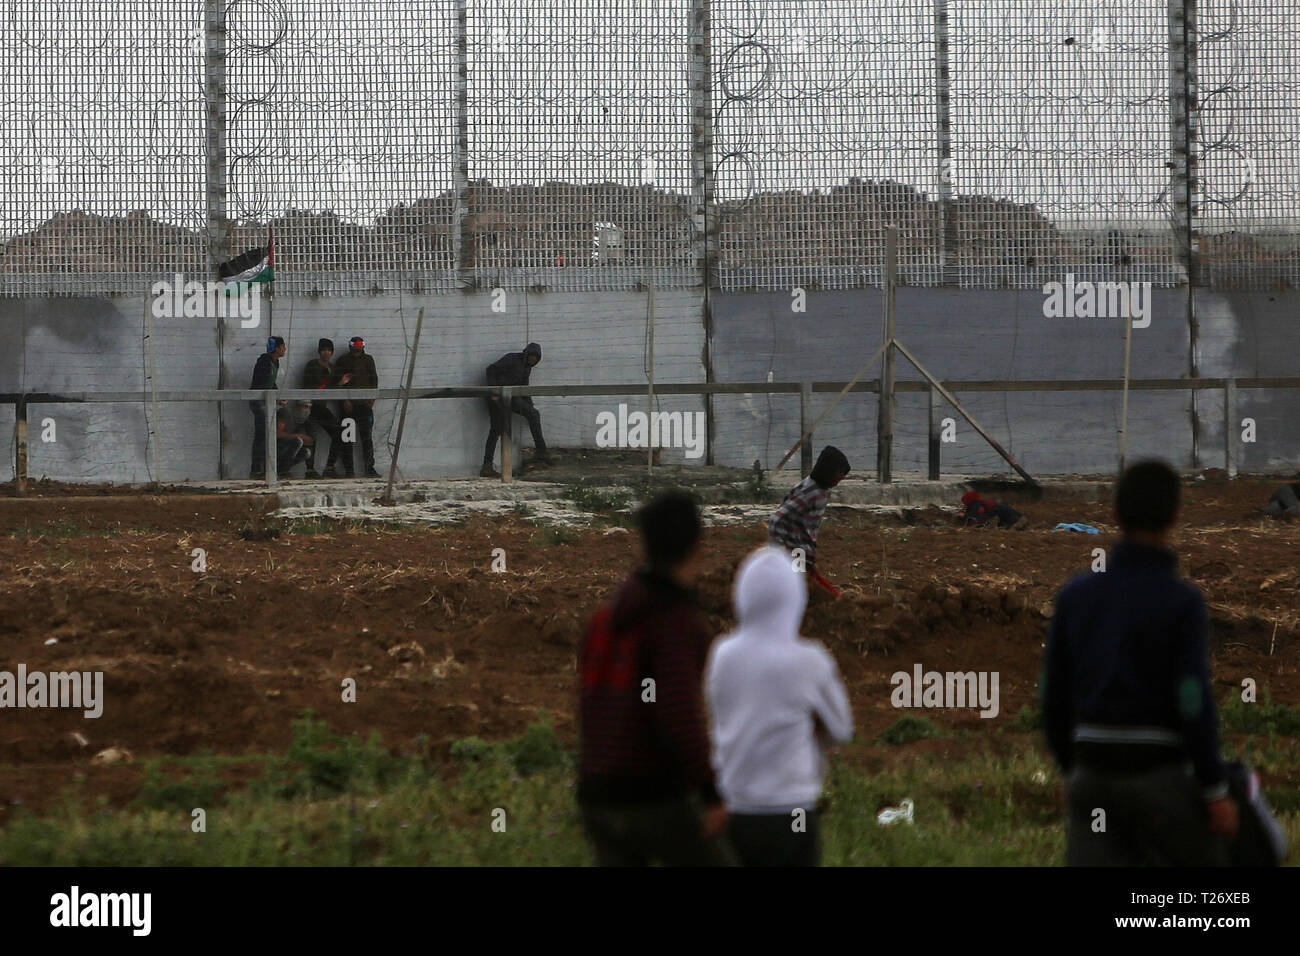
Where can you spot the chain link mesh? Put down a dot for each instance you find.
(1053, 154)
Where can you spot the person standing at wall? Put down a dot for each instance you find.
(265, 375)
(357, 370)
(320, 374)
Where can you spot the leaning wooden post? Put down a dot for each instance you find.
(20, 444)
(387, 499)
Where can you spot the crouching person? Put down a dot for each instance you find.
(777, 703)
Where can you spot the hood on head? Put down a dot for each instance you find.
(533, 349)
(831, 463)
(769, 594)
(970, 496)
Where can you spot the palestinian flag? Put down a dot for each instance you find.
(255, 265)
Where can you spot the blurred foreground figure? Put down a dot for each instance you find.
(646, 788)
(1127, 702)
(777, 703)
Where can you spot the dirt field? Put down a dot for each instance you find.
(442, 647)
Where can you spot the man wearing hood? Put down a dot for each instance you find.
(797, 521)
(646, 788)
(266, 372)
(776, 703)
(513, 368)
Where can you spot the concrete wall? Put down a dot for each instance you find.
(976, 334)
(98, 344)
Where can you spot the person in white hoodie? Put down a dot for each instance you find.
(776, 704)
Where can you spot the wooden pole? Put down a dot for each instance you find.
(20, 446)
(272, 442)
(1230, 435)
(885, 408)
(507, 430)
(153, 390)
(650, 372)
(936, 442)
(387, 499)
(1123, 415)
(805, 409)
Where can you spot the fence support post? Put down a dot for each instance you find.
(20, 444)
(507, 432)
(218, 220)
(935, 437)
(272, 442)
(805, 412)
(1230, 435)
(461, 245)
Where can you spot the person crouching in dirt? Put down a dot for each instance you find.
(796, 522)
(514, 368)
(982, 513)
(1284, 502)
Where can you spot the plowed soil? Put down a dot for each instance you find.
(442, 647)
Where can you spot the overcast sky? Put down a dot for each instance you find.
(347, 105)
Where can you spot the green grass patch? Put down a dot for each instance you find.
(597, 500)
(909, 728)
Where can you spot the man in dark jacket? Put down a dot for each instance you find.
(357, 370)
(513, 368)
(265, 375)
(1127, 702)
(646, 787)
(320, 374)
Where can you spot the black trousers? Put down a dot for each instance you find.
(666, 832)
(323, 421)
(364, 416)
(1153, 817)
(519, 405)
(776, 839)
(258, 469)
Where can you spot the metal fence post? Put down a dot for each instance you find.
(943, 128)
(703, 229)
(461, 245)
(218, 221)
(1183, 108)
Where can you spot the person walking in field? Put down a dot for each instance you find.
(798, 519)
(1127, 702)
(513, 368)
(776, 703)
(646, 788)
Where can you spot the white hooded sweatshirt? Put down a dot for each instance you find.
(765, 686)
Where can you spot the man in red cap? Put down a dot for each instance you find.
(357, 370)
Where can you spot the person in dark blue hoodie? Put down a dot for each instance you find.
(1127, 703)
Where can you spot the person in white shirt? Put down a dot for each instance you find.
(776, 704)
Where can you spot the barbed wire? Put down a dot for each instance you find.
(342, 120)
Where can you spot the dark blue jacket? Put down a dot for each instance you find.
(1129, 648)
